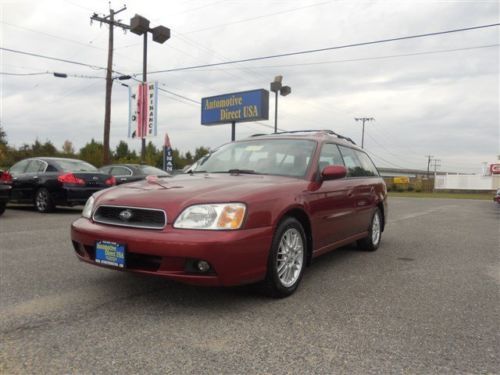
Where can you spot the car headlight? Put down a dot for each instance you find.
(212, 216)
(87, 210)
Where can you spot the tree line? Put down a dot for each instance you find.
(92, 153)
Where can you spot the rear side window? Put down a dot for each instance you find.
(355, 163)
(120, 171)
(19, 167)
(72, 165)
(330, 155)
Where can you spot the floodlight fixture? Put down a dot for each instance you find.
(139, 25)
(160, 34)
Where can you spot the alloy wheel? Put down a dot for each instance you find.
(290, 259)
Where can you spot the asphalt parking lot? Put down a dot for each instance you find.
(425, 302)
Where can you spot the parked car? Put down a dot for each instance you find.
(256, 210)
(132, 172)
(48, 182)
(496, 198)
(5, 182)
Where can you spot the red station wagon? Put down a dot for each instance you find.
(256, 210)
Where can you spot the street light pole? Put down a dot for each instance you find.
(276, 87)
(144, 80)
(276, 112)
(140, 26)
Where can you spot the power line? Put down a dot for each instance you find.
(362, 58)
(51, 58)
(329, 48)
(256, 18)
(51, 73)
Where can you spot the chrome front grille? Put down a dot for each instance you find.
(135, 217)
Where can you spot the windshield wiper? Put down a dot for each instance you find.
(241, 171)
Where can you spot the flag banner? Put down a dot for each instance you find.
(143, 109)
(151, 111)
(168, 161)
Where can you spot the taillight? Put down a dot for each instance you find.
(111, 181)
(6, 177)
(70, 178)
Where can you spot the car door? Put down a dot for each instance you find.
(330, 203)
(17, 170)
(363, 191)
(29, 180)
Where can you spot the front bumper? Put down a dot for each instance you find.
(236, 257)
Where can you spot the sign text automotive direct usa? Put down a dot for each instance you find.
(236, 107)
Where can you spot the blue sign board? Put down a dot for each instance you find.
(236, 107)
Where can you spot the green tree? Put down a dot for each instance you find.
(92, 153)
(200, 152)
(122, 151)
(153, 156)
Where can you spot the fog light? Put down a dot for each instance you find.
(203, 266)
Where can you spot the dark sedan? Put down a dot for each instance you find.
(50, 182)
(5, 182)
(132, 172)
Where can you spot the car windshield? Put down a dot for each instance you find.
(283, 157)
(146, 169)
(70, 165)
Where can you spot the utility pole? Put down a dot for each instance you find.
(363, 119)
(429, 158)
(110, 20)
(436, 165)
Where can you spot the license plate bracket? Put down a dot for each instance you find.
(110, 253)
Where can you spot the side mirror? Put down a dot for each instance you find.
(333, 172)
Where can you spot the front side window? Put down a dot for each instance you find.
(283, 157)
(330, 155)
(353, 162)
(367, 164)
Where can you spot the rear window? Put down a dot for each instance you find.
(70, 165)
(146, 169)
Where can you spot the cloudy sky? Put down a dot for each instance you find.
(436, 95)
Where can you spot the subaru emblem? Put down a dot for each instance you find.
(126, 215)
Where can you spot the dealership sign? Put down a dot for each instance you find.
(143, 110)
(236, 107)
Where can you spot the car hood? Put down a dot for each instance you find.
(182, 191)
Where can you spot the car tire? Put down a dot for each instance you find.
(2, 207)
(43, 201)
(287, 259)
(372, 241)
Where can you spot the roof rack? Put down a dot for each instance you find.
(327, 131)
